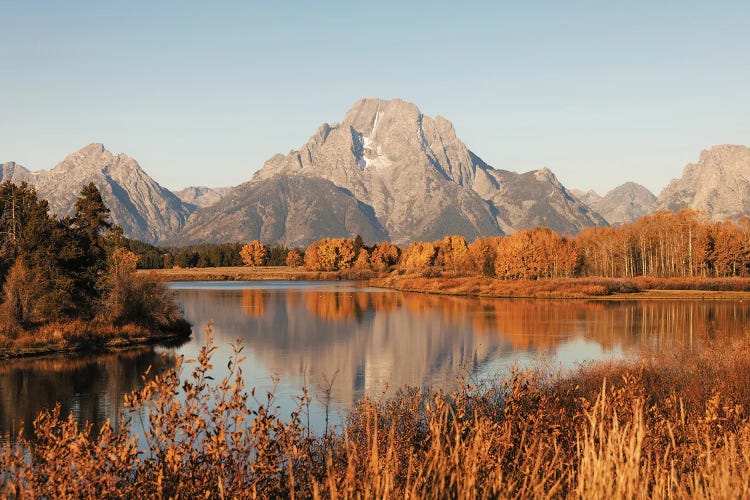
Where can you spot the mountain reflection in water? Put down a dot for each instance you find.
(369, 341)
(374, 339)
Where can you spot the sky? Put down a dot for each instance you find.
(202, 93)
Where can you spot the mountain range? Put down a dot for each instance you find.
(387, 172)
(144, 209)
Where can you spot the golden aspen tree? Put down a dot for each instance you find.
(293, 259)
(418, 256)
(384, 255)
(254, 253)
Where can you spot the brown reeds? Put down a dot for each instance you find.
(669, 428)
(589, 288)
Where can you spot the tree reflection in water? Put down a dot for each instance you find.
(90, 386)
(378, 339)
(371, 339)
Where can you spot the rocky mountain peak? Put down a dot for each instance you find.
(94, 148)
(623, 204)
(93, 157)
(364, 115)
(723, 153)
(422, 181)
(589, 197)
(718, 184)
(546, 175)
(143, 208)
(12, 171)
(202, 196)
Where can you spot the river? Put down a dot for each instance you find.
(343, 342)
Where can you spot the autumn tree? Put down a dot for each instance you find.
(21, 292)
(452, 253)
(254, 253)
(321, 255)
(331, 254)
(117, 285)
(535, 254)
(384, 255)
(347, 253)
(293, 259)
(418, 256)
(481, 255)
(363, 261)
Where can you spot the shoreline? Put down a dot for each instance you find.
(560, 289)
(473, 286)
(115, 343)
(280, 273)
(614, 297)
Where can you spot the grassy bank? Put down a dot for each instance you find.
(80, 336)
(649, 430)
(571, 288)
(265, 273)
(481, 286)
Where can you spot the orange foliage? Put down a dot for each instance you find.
(384, 255)
(418, 256)
(253, 302)
(254, 253)
(652, 430)
(452, 253)
(363, 260)
(481, 255)
(535, 254)
(330, 254)
(293, 259)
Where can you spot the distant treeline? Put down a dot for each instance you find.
(667, 245)
(204, 255)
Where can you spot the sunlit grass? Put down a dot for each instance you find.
(671, 427)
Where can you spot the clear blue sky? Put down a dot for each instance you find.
(204, 93)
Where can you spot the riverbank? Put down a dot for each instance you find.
(638, 288)
(571, 288)
(266, 273)
(653, 429)
(80, 336)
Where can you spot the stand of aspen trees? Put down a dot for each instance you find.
(666, 245)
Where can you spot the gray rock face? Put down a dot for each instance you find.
(589, 198)
(15, 173)
(625, 203)
(201, 196)
(719, 184)
(387, 172)
(138, 204)
(291, 210)
(422, 182)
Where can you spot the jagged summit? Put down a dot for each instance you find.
(202, 196)
(421, 180)
(623, 204)
(95, 158)
(718, 184)
(143, 208)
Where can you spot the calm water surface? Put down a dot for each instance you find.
(364, 341)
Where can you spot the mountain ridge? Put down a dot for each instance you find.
(625, 203)
(718, 184)
(143, 208)
(386, 170)
(416, 174)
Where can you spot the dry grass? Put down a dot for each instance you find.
(265, 273)
(79, 335)
(653, 430)
(567, 288)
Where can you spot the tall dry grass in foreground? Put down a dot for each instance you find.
(673, 428)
